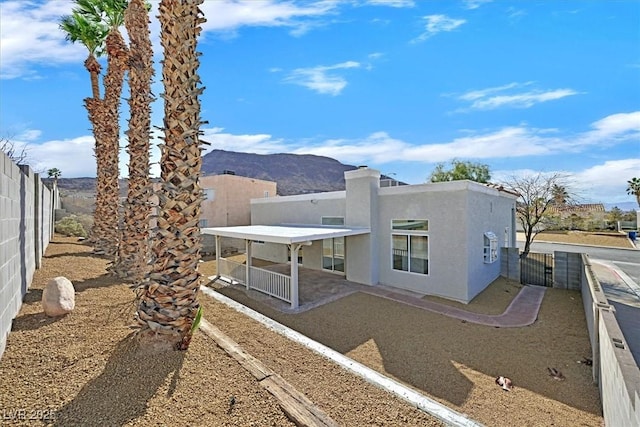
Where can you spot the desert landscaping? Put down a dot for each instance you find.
(85, 368)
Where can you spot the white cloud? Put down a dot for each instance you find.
(611, 130)
(602, 182)
(230, 15)
(391, 3)
(437, 24)
(74, 157)
(608, 181)
(42, 44)
(507, 142)
(322, 79)
(511, 95)
(474, 4)
(257, 143)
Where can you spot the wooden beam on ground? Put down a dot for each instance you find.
(295, 405)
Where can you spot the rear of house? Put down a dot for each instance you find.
(435, 239)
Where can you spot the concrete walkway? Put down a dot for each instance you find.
(522, 311)
(318, 288)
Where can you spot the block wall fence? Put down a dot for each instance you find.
(27, 209)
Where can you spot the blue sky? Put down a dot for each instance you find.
(398, 85)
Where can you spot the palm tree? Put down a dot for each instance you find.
(54, 173)
(95, 23)
(560, 195)
(92, 35)
(168, 303)
(131, 262)
(105, 226)
(633, 188)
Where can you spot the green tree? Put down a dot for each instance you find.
(633, 188)
(560, 195)
(461, 170)
(614, 215)
(54, 173)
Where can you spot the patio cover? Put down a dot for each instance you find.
(285, 234)
(294, 235)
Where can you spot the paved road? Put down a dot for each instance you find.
(618, 271)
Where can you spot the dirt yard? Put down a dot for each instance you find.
(84, 369)
(615, 240)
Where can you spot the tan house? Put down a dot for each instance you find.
(228, 196)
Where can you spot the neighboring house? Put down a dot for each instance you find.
(580, 216)
(228, 196)
(439, 239)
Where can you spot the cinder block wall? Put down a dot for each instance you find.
(510, 263)
(26, 226)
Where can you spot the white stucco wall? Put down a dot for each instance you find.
(459, 214)
(444, 206)
(487, 211)
(299, 209)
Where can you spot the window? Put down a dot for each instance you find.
(410, 245)
(266, 194)
(490, 247)
(507, 237)
(332, 220)
(203, 223)
(209, 194)
(333, 254)
(410, 224)
(333, 249)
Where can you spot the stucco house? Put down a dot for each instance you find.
(440, 239)
(228, 198)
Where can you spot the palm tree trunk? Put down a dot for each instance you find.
(168, 300)
(105, 226)
(93, 67)
(133, 251)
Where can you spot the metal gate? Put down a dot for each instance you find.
(537, 269)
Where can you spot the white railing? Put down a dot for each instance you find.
(269, 282)
(232, 270)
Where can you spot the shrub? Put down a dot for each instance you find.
(70, 226)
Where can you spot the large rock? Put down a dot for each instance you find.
(58, 297)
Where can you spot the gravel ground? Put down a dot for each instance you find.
(84, 368)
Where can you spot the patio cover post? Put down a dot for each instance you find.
(218, 255)
(247, 244)
(295, 248)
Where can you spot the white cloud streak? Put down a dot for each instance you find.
(42, 44)
(322, 79)
(475, 4)
(391, 3)
(230, 15)
(437, 24)
(512, 95)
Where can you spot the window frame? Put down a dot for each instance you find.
(401, 228)
(490, 247)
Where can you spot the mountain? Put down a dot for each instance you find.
(294, 173)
